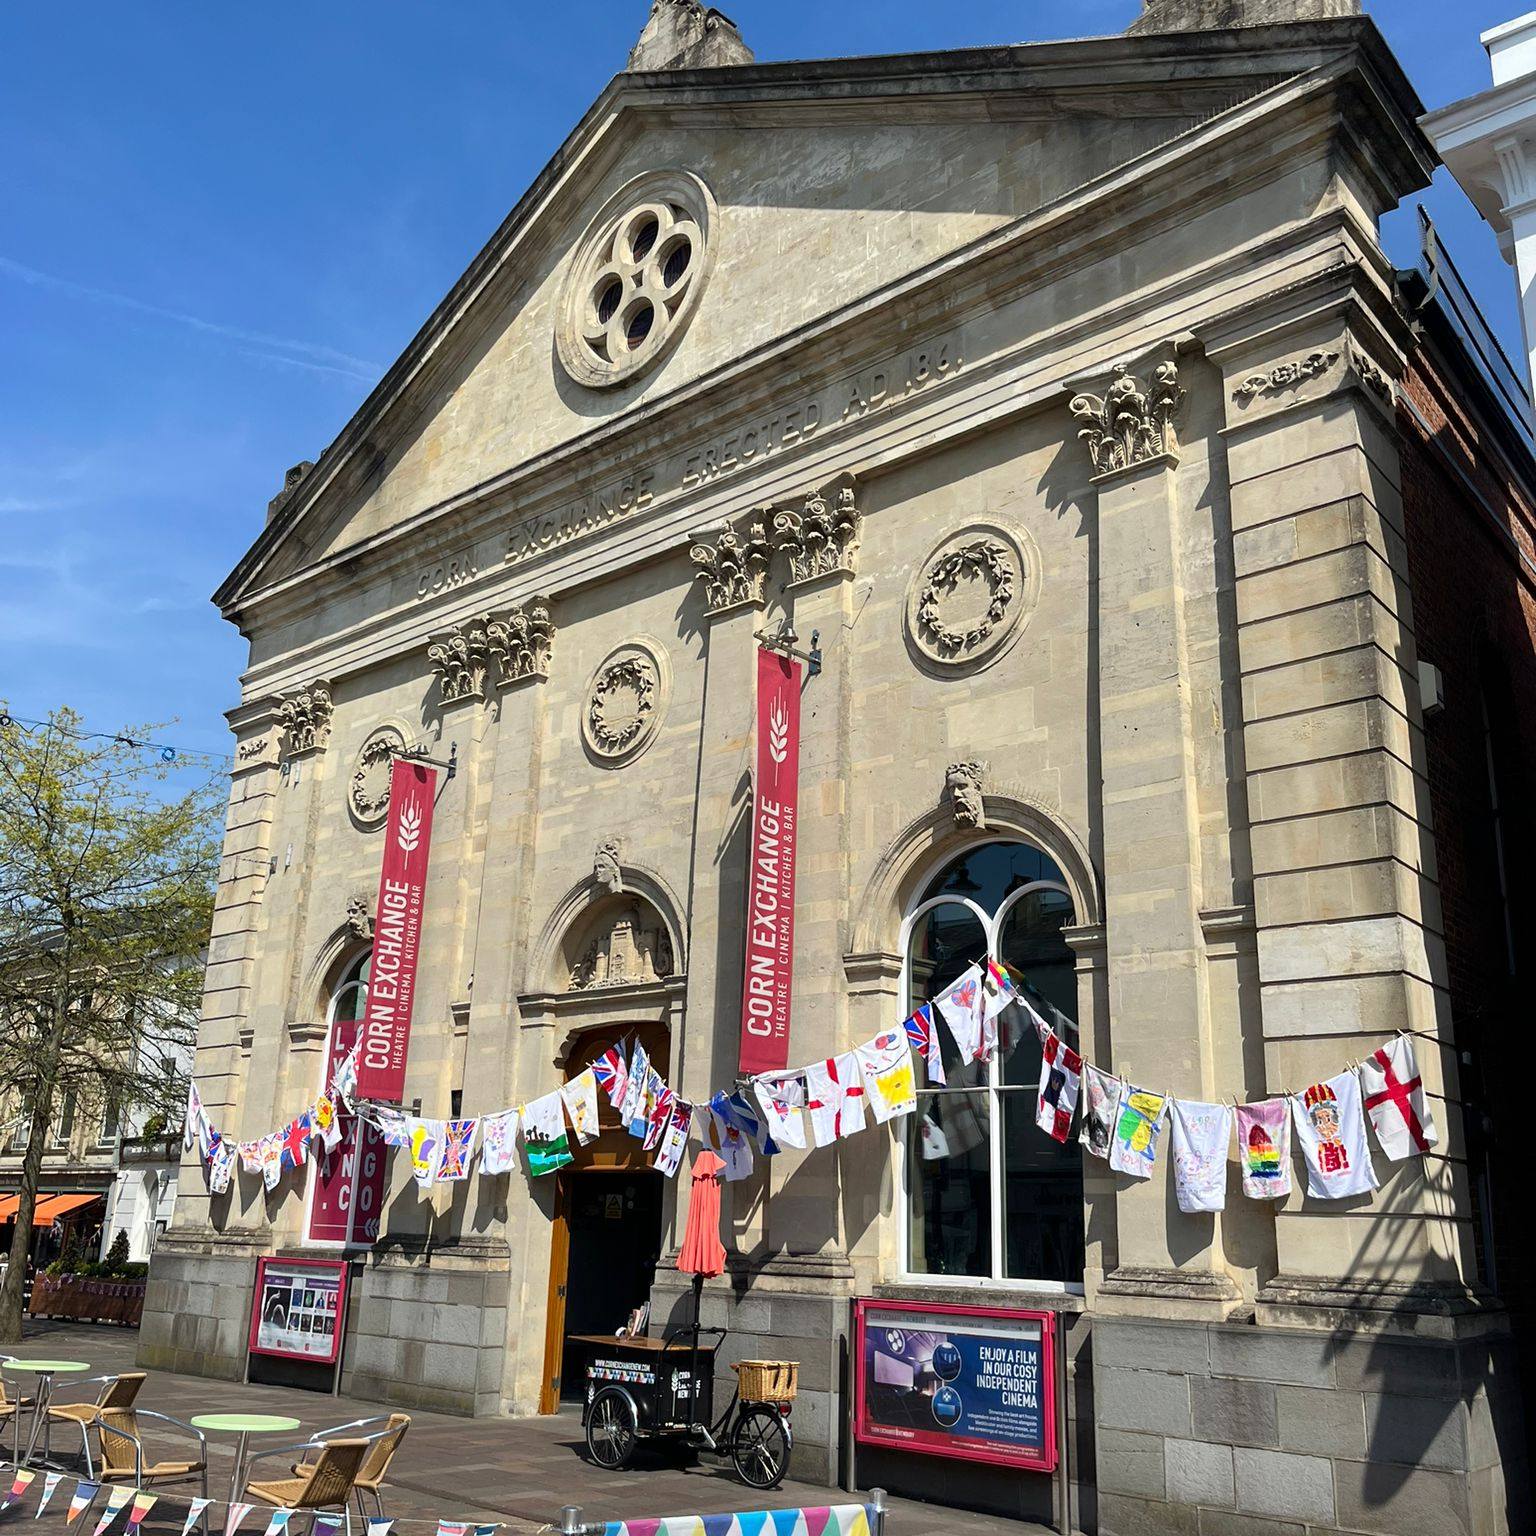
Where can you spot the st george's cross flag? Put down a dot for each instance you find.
(1394, 1099)
(923, 1032)
(1061, 1079)
(961, 1008)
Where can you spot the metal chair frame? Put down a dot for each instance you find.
(317, 1442)
(137, 1442)
(85, 1424)
(320, 1436)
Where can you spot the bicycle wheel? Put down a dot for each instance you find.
(760, 1447)
(612, 1432)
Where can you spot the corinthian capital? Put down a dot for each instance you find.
(1131, 423)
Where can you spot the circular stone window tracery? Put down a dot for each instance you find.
(368, 789)
(636, 278)
(969, 598)
(624, 704)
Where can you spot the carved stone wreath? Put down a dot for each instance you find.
(624, 704)
(968, 598)
(368, 789)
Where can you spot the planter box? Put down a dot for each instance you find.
(88, 1301)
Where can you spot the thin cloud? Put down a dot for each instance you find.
(281, 349)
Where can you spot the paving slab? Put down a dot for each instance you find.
(516, 1472)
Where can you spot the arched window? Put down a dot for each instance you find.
(989, 1196)
(346, 1186)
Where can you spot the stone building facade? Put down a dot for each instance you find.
(1059, 392)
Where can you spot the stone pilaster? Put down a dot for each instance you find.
(1349, 937)
(1158, 995)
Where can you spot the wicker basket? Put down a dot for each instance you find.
(768, 1381)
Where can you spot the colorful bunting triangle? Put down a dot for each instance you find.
(195, 1513)
(786, 1522)
(237, 1513)
(24, 1480)
(325, 1525)
(84, 1494)
(50, 1483)
(816, 1521)
(117, 1499)
(753, 1524)
(279, 1522)
(719, 1525)
(142, 1504)
(380, 1527)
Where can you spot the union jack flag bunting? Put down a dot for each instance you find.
(612, 1074)
(458, 1144)
(924, 1038)
(295, 1142)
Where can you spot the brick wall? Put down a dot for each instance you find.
(1471, 532)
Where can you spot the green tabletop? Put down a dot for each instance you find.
(45, 1367)
(244, 1423)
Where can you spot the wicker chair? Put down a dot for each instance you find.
(120, 1437)
(382, 1447)
(326, 1483)
(116, 1392)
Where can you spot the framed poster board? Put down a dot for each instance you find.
(299, 1309)
(972, 1383)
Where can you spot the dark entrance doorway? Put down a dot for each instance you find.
(615, 1244)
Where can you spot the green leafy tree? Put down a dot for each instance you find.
(107, 868)
(117, 1254)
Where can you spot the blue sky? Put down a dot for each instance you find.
(220, 223)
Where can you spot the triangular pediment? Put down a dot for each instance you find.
(826, 183)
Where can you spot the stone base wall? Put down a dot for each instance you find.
(782, 1314)
(422, 1331)
(1215, 1429)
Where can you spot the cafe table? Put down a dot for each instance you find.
(243, 1426)
(44, 1371)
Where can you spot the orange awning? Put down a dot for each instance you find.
(8, 1204)
(51, 1207)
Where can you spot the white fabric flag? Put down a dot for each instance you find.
(961, 1007)
(632, 1106)
(1330, 1125)
(1061, 1078)
(392, 1124)
(498, 1143)
(426, 1148)
(997, 992)
(781, 1103)
(890, 1085)
(580, 1095)
(220, 1167)
(674, 1140)
(196, 1120)
(1202, 1134)
(834, 1091)
(1264, 1149)
(734, 1148)
(1101, 1106)
(1138, 1125)
(1395, 1101)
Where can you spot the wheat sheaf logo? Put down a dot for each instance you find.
(778, 732)
(408, 835)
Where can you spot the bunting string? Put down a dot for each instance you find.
(987, 1009)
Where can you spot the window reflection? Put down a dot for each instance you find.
(976, 1162)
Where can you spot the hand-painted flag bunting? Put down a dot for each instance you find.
(457, 1149)
(237, 1513)
(295, 1143)
(380, 1527)
(580, 1096)
(961, 1010)
(1330, 1125)
(142, 1504)
(889, 1084)
(1138, 1124)
(997, 991)
(1394, 1099)
(1264, 1149)
(674, 1141)
(1201, 1135)
(452, 1528)
(1061, 1077)
(632, 1105)
(279, 1522)
(544, 1136)
(612, 1074)
(498, 1143)
(426, 1148)
(734, 1148)
(781, 1101)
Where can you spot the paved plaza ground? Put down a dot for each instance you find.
(519, 1472)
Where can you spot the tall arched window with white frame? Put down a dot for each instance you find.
(990, 1198)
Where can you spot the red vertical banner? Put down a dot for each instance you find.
(770, 961)
(397, 932)
(347, 1197)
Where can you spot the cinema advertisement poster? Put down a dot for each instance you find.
(965, 1382)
